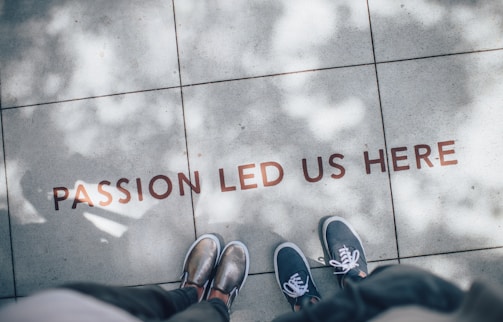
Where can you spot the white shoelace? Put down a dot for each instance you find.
(295, 287)
(349, 260)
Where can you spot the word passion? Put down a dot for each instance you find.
(251, 176)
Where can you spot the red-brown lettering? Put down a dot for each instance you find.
(139, 189)
(126, 192)
(182, 178)
(57, 197)
(245, 176)
(422, 156)
(306, 174)
(105, 193)
(369, 162)
(169, 187)
(263, 169)
(442, 153)
(333, 164)
(224, 188)
(81, 196)
(395, 158)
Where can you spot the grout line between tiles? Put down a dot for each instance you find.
(184, 121)
(91, 97)
(254, 77)
(371, 261)
(277, 74)
(186, 85)
(440, 55)
(7, 196)
(453, 252)
(398, 259)
(384, 134)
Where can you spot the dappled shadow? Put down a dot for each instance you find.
(58, 50)
(432, 27)
(65, 50)
(218, 42)
(97, 239)
(286, 119)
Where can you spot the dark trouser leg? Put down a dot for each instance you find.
(213, 310)
(385, 288)
(145, 303)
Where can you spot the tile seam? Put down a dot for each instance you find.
(184, 119)
(390, 185)
(252, 77)
(461, 53)
(453, 252)
(328, 266)
(14, 284)
(90, 97)
(396, 258)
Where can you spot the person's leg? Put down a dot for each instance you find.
(389, 285)
(153, 302)
(149, 302)
(362, 297)
(398, 285)
(386, 288)
(214, 310)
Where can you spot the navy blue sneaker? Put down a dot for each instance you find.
(345, 249)
(294, 276)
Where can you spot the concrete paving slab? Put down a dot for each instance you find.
(445, 112)
(403, 30)
(228, 40)
(464, 268)
(94, 191)
(247, 139)
(253, 144)
(6, 273)
(58, 50)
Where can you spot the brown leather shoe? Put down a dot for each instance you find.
(200, 262)
(232, 270)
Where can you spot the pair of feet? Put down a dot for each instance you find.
(347, 256)
(216, 273)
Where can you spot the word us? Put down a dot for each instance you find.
(250, 176)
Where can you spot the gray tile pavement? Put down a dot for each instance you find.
(245, 125)
(60, 50)
(455, 117)
(6, 273)
(241, 38)
(90, 196)
(126, 135)
(404, 30)
(464, 267)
